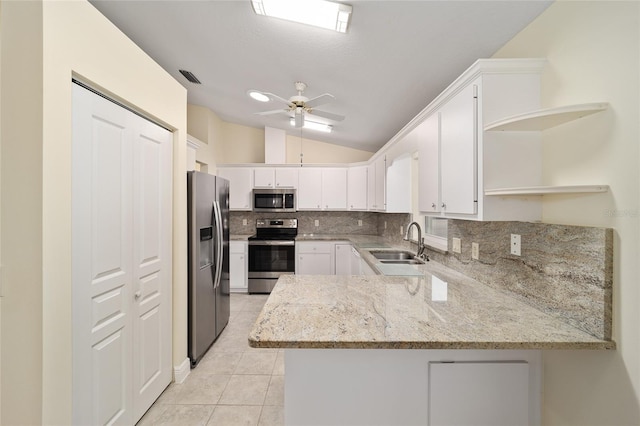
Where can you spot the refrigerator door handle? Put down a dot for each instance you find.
(217, 214)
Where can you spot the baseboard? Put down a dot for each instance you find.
(181, 372)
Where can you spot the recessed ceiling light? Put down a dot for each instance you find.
(258, 96)
(319, 13)
(312, 125)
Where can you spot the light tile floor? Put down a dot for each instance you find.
(233, 384)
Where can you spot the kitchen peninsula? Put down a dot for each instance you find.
(397, 349)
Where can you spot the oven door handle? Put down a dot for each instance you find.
(271, 243)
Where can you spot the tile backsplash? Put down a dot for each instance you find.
(336, 222)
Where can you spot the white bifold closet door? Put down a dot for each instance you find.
(122, 248)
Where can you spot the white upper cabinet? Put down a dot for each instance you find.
(279, 177)
(309, 188)
(458, 158)
(458, 142)
(322, 188)
(334, 188)
(429, 164)
(398, 185)
(376, 180)
(240, 186)
(357, 188)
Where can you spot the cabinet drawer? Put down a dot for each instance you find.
(315, 247)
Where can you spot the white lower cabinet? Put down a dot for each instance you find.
(412, 387)
(238, 266)
(479, 393)
(343, 259)
(315, 258)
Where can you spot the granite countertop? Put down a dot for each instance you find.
(239, 237)
(436, 309)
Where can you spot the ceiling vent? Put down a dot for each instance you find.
(189, 76)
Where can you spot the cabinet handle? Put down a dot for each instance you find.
(444, 206)
(137, 295)
(433, 205)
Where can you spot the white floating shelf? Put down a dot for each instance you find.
(542, 190)
(546, 118)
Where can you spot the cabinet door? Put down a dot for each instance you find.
(429, 164)
(381, 173)
(334, 188)
(309, 188)
(343, 259)
(238, 266)
(458, 133)
(286, 177)
(315, 258)
(357, 188)
(263, 177)
(479, 393)
(371, 187)
(240, 186)
(398, 185)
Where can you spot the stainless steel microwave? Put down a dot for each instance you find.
(274, 200)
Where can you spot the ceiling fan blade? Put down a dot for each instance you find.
(273, 111)
(329, 115)
(276, 97)
(319, 100)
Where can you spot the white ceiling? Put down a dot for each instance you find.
(395, 58)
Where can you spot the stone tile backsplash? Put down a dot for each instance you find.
(566, 271)
(347, 222)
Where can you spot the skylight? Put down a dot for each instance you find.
(319, 13)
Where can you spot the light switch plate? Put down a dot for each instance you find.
(457, 245)
(359, 222)
(244, 222)
(475, 251)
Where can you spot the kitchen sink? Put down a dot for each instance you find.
(393, 255)
(402, 261)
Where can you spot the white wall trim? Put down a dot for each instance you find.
(181, 372)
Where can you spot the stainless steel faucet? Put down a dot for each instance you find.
(420, 242)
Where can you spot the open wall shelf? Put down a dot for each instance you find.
(546, 118)
(542, 190)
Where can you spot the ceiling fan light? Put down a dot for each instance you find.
(258, 96)
(312, 125)
(319, 13)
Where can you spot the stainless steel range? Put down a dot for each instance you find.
(272, 253)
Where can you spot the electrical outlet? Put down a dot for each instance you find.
(401, 230)
(359, 222)
(475, 251)
(456, 245)
(317, 222)
(244, 222)
(515, 244)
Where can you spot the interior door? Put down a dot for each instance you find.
(121, 230)
(152, 251)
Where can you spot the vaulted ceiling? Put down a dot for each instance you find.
(395, 58)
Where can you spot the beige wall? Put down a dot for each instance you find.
(229, 143)
(320, 152)
(46, 43)
(593, 50)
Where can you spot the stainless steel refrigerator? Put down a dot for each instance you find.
(208, 264)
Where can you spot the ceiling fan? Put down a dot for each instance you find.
(300, 105)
